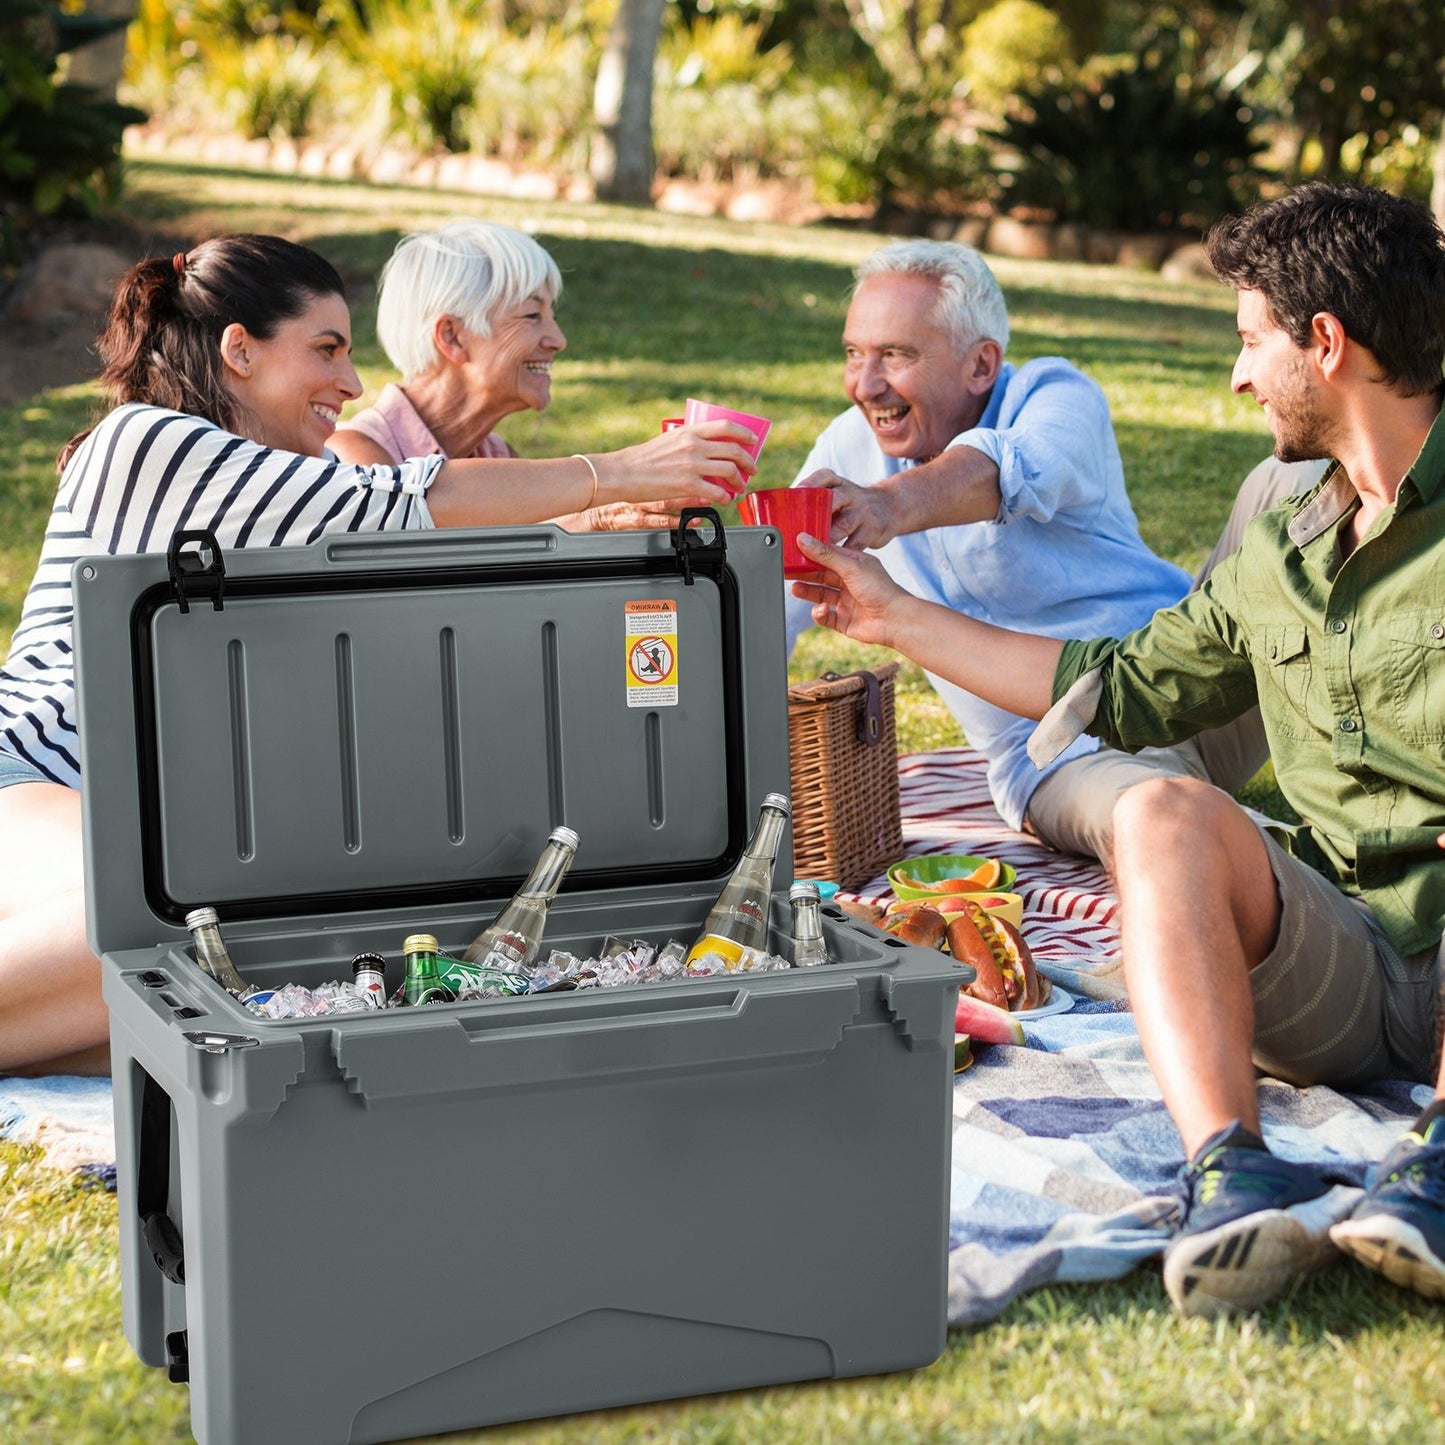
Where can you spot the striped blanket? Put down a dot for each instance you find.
(1064, 1158)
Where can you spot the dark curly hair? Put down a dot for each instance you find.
(161, 342)
(1375, 261)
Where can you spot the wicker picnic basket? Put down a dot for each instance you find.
(844, 755)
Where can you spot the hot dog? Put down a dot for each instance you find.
(968, 945)
(921, 925)
(1010, 966)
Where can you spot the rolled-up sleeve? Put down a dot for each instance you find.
(1053, 444)
(1186, 670)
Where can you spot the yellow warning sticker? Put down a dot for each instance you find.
(651, 653)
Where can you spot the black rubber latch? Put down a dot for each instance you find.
(178, 1357)
(192, 576)
(695, 546)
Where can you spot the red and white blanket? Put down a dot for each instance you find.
(1070, 911)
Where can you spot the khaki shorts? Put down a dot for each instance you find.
(1073, 808)
(1333, 1002)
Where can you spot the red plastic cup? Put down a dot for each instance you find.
(671, 423)
(791, 510)
(695, 411)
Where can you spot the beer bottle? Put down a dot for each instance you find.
(739, 919)
(213, 955)
(368, 971)
(526, 915)
(423, 976)
(808, 946)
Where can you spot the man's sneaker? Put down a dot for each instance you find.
(1398, 1228)
(1253, 1225)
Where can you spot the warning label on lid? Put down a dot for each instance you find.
(651, 653)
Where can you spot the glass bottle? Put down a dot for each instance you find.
(213, 955)
(739, 919)
(368, 972)
(525, 916)
(423, 974)
(809, 949)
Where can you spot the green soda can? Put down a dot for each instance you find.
(424, 983)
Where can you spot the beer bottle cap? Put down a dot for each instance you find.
(368, 960)
(564, 835)
(198, 917)
(419, 943)
(777, 800)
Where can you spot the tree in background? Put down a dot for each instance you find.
(622, 164)
(59, 141)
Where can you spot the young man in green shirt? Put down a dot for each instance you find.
(1313, 953)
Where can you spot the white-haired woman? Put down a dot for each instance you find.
(467, 315)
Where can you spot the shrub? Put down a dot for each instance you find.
(273, 86)
(1150, 144)
(904, 151)
(429, 59)
(59, 143)
(1012, 46)
(535, 101)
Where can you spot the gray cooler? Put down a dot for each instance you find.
(363, 1227)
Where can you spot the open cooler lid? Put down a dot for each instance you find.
(387, 721)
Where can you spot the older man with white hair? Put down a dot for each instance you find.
(998, 491)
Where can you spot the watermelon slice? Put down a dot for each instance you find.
(985, 1023)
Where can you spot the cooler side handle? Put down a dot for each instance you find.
(496, 1047)
(153, 1183)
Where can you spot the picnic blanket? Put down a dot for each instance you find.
(1063, 1156)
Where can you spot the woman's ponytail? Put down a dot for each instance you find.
(161, 343)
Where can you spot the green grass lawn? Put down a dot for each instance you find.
(656, 309)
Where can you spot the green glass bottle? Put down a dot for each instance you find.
(423, 972)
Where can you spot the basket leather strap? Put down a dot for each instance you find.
(870, 719)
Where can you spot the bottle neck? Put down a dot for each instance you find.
(548, 872)
(421, 963)
(767, 836)
(807, 920)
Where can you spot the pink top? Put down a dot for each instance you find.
(395, 425)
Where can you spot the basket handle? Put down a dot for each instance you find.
(870, 720)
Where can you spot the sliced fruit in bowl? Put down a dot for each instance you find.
(937, 875)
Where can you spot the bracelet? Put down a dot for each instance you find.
(587, 462)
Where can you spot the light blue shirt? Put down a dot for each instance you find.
(1063, 558)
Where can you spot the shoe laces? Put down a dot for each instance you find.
(1205, 1179)
(1419, 1165)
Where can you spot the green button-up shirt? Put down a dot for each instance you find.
(1345, 656)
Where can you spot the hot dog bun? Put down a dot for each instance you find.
(921, 925)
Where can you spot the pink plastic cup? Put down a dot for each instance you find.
(791, 510)
(695, 411)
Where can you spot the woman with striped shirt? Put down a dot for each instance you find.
(226, 368)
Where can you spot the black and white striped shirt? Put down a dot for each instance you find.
(140, 476)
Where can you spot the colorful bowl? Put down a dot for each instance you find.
(935, 867)
(1008, 906)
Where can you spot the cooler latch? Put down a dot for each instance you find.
(178, 1356)
(213, 1043)
(695, 546)
(192, 575)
